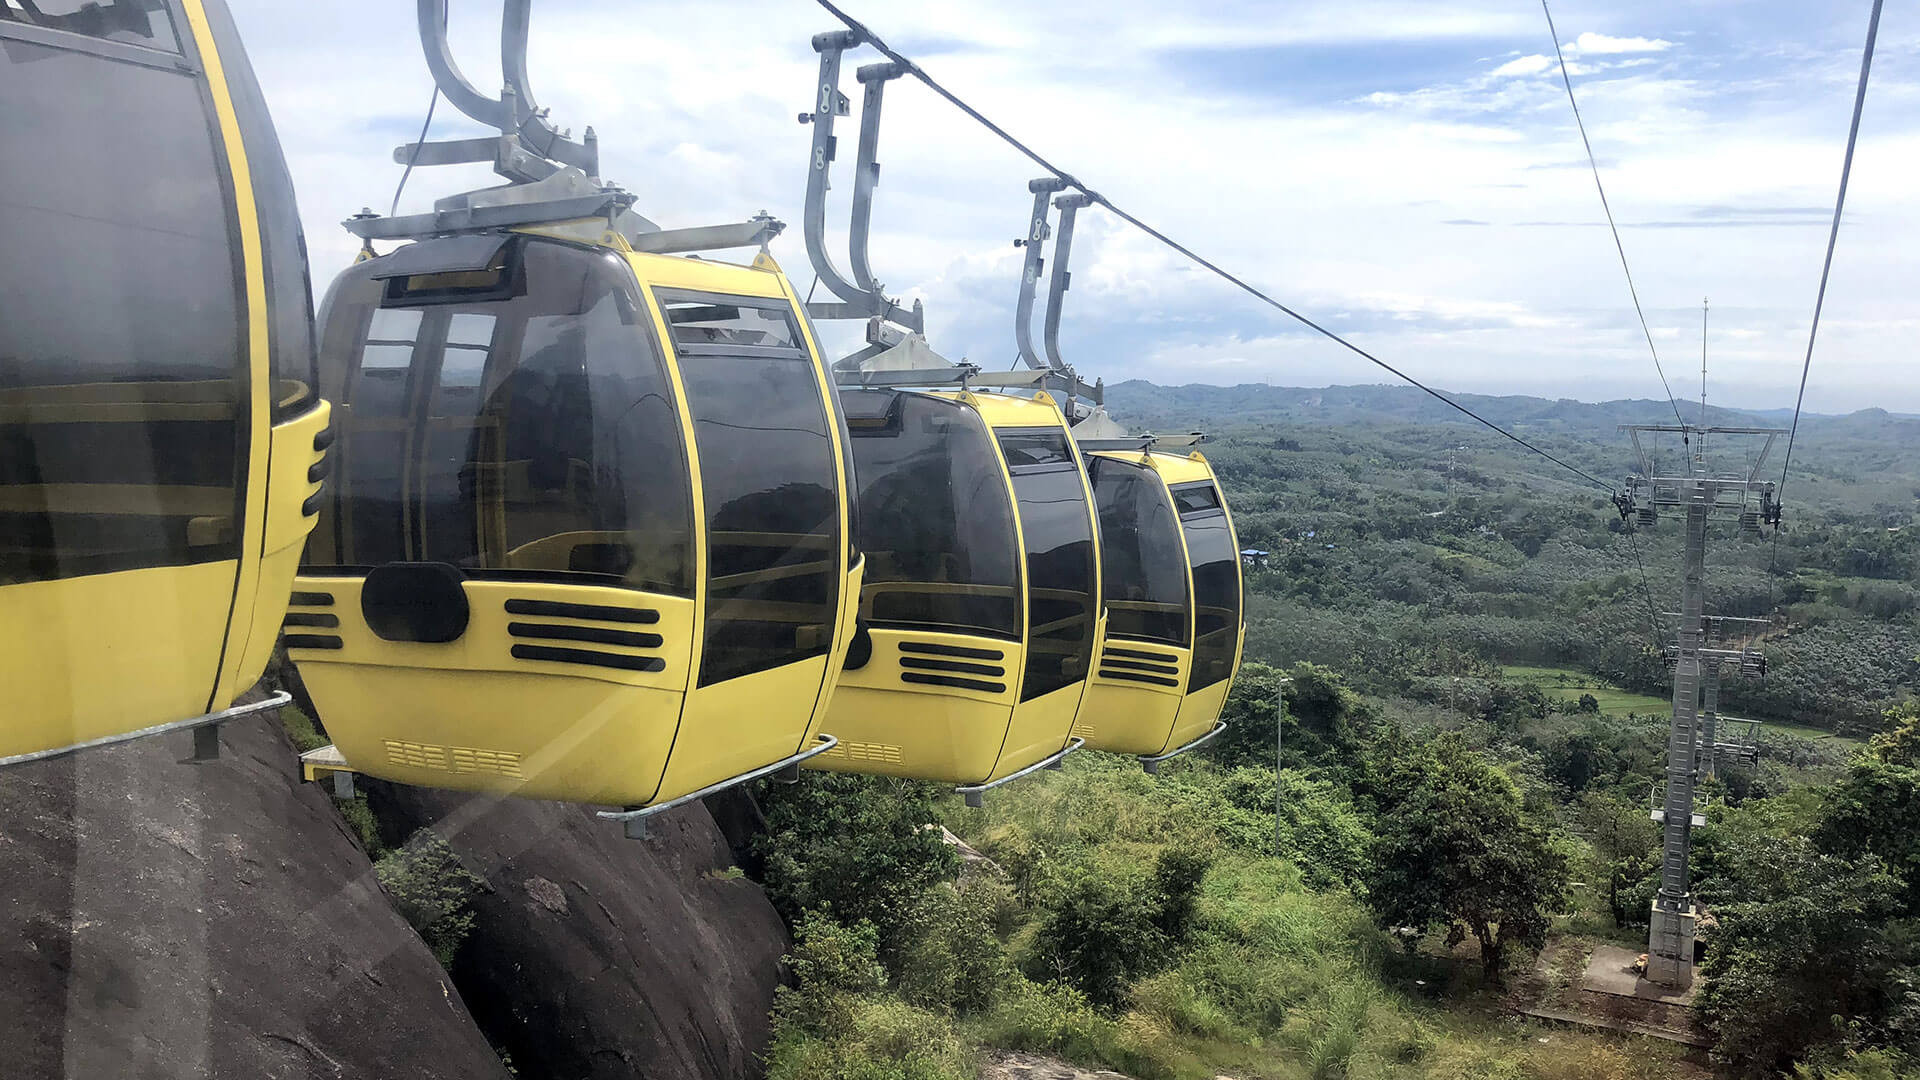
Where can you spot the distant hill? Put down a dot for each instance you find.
(1865, 460)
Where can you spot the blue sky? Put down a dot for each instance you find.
(1405, 172)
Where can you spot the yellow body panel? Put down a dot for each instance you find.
(1124, 716)
(88, 657)
(284, 534)
(1200, 709)
(422, 713)
(890, 727)
(247, 581)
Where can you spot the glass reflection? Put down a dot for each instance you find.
(1058, 529)
(936, 522)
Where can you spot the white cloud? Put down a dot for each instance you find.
(1526, 65)
(1335, 202)
(1590, 43)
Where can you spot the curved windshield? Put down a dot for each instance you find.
(1143, 570)
(1216, 582)
(514, 421)
(1058, 530)
(935, 520)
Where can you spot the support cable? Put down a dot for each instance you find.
(1653, 612)
(1826, 268)
(1833, 236)
(927, 80)
(1594, 164)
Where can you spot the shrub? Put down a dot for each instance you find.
(883, 1040)
(1099, 930)
(432, 890)
(834, 967)
(955, 960)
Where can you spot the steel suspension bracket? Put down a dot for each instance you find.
(863, 297)
(550, 176)
(1058, 376)
(1069, 206)
(1035, 242)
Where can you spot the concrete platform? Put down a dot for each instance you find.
(1611, 971)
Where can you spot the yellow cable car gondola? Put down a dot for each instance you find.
(979, 612)
(587, 537)
(1171, 569)
(160, 438)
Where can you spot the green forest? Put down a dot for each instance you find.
(1466, 638)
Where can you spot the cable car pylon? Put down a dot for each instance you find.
(590, 536)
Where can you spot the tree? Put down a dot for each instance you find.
(1321, 714)
(1876, 811)
(1452, 848)
(1804, 955)
(1900, 743)
(1626, 844)
(859, 845)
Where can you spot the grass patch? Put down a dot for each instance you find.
(1569, 683)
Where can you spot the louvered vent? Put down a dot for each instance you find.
(561, 642)
(926, 664)
(1140, 666)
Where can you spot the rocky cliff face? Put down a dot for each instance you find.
(162, 918)
(594, 956)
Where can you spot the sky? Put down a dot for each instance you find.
(1406, 173)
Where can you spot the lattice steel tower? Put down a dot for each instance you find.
(1705, 647)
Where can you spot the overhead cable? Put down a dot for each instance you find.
(1833, 235)
(913, 69)
(1826, 268)
(1594, 164)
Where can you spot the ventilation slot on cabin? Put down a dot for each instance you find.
(1140, 666)
(957, 666)
(589, 635)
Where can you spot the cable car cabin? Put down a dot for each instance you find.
(979, 614)
(159, 432)
(587, 538)
(1171, 581)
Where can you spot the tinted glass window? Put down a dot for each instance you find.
(768, 472)
(1216, 583)
(528, 432)
(134, 22)
(936, 522)
(1058, 529)
(1143, 571)
(122, 358)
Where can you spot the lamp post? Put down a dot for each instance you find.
(1279, 746)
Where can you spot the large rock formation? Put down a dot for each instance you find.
(595, 956)
(162, 918)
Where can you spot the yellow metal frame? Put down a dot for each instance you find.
(90, 657)
(1126, 716)
(469, 715)
(959, 734)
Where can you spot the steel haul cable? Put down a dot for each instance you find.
(1826, 268)
(913, 69)
(1593, 164)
